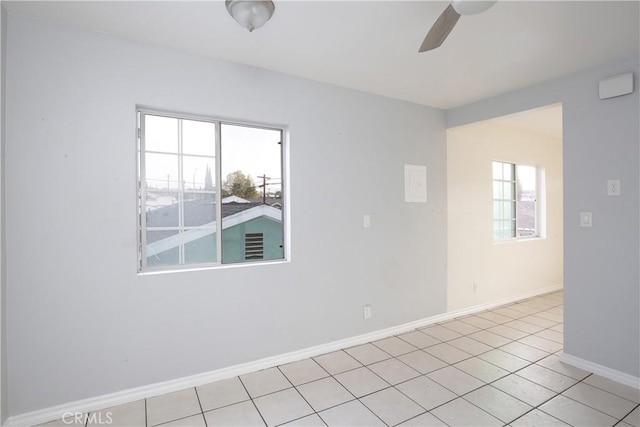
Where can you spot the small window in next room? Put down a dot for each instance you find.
(516, 208)
(209, 192)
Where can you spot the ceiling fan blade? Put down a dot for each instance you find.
(440, 29)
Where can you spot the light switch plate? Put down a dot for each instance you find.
(586, 219)
(366, 221)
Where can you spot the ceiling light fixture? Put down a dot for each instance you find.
(250, 14)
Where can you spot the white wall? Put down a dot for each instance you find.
(601, 269)
(499, 269)
(81, 323)
(3, 271)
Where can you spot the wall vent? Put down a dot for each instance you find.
(253, 246)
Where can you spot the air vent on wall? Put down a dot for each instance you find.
(619, 85)
(253, 246)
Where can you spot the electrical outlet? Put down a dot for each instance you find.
(613, 187)
(475, 287)
(366, 312)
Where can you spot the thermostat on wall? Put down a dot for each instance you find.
(619, 85)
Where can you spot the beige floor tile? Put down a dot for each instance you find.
(478, 322)
(441, 333)
(481, 369)
(489, 338)
(172, 406)
(539, 321)
(447, 353)
(460, 327)
(395, 346)
(193, 421)
(462, 413)
(309, 421)
(221, 393)
(541, 343)
(551, 335)
(282, 406)
(504, 360)
(240, 414)
(426, 392)
(127, 415)
(553, 362)
(422, 362)
(352, 413)
(424, 420)
(303, 371)
(601, 400)
(629, 393)
(524, 351)
(455, 380)
(394, 371)
(498, 403)
(391, 406)
(507, 332)
(367, 354)
(264, 382)
(539, 419)
(547, 378)
(523, 326)
(530, 393)
(633, 418)
(575, 413)
(494, 317)
(337, 362)
(324, 393)
(361, 381)
(419, 339)
(470, 346)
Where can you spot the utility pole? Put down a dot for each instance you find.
(264, 188)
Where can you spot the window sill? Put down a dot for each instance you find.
(519, 239)
(212, 267)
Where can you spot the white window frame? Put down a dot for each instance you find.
(540, 202)
(143, 268)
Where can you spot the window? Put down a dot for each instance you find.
(209, 192)
(515, 201)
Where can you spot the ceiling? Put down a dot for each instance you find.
(373, 45)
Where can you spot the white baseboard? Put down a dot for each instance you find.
(143, 392)
(601, 370)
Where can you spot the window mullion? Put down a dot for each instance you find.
(218, 166)
(181, 258)
(143, 193)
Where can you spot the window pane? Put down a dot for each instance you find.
(527, 198)
(508, 210)
(198, 138)
(252, 175)
(497, 170)
(199, 209)
(198, 173)
(508, 191)
(163, 247)
(161, 172)
(161, 134)
(497, 190)
(497, 210)
(161, 214)
(200, 246)
(507, 171)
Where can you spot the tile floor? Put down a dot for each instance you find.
(497, 367)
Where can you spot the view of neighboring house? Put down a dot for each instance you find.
(251, 230)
